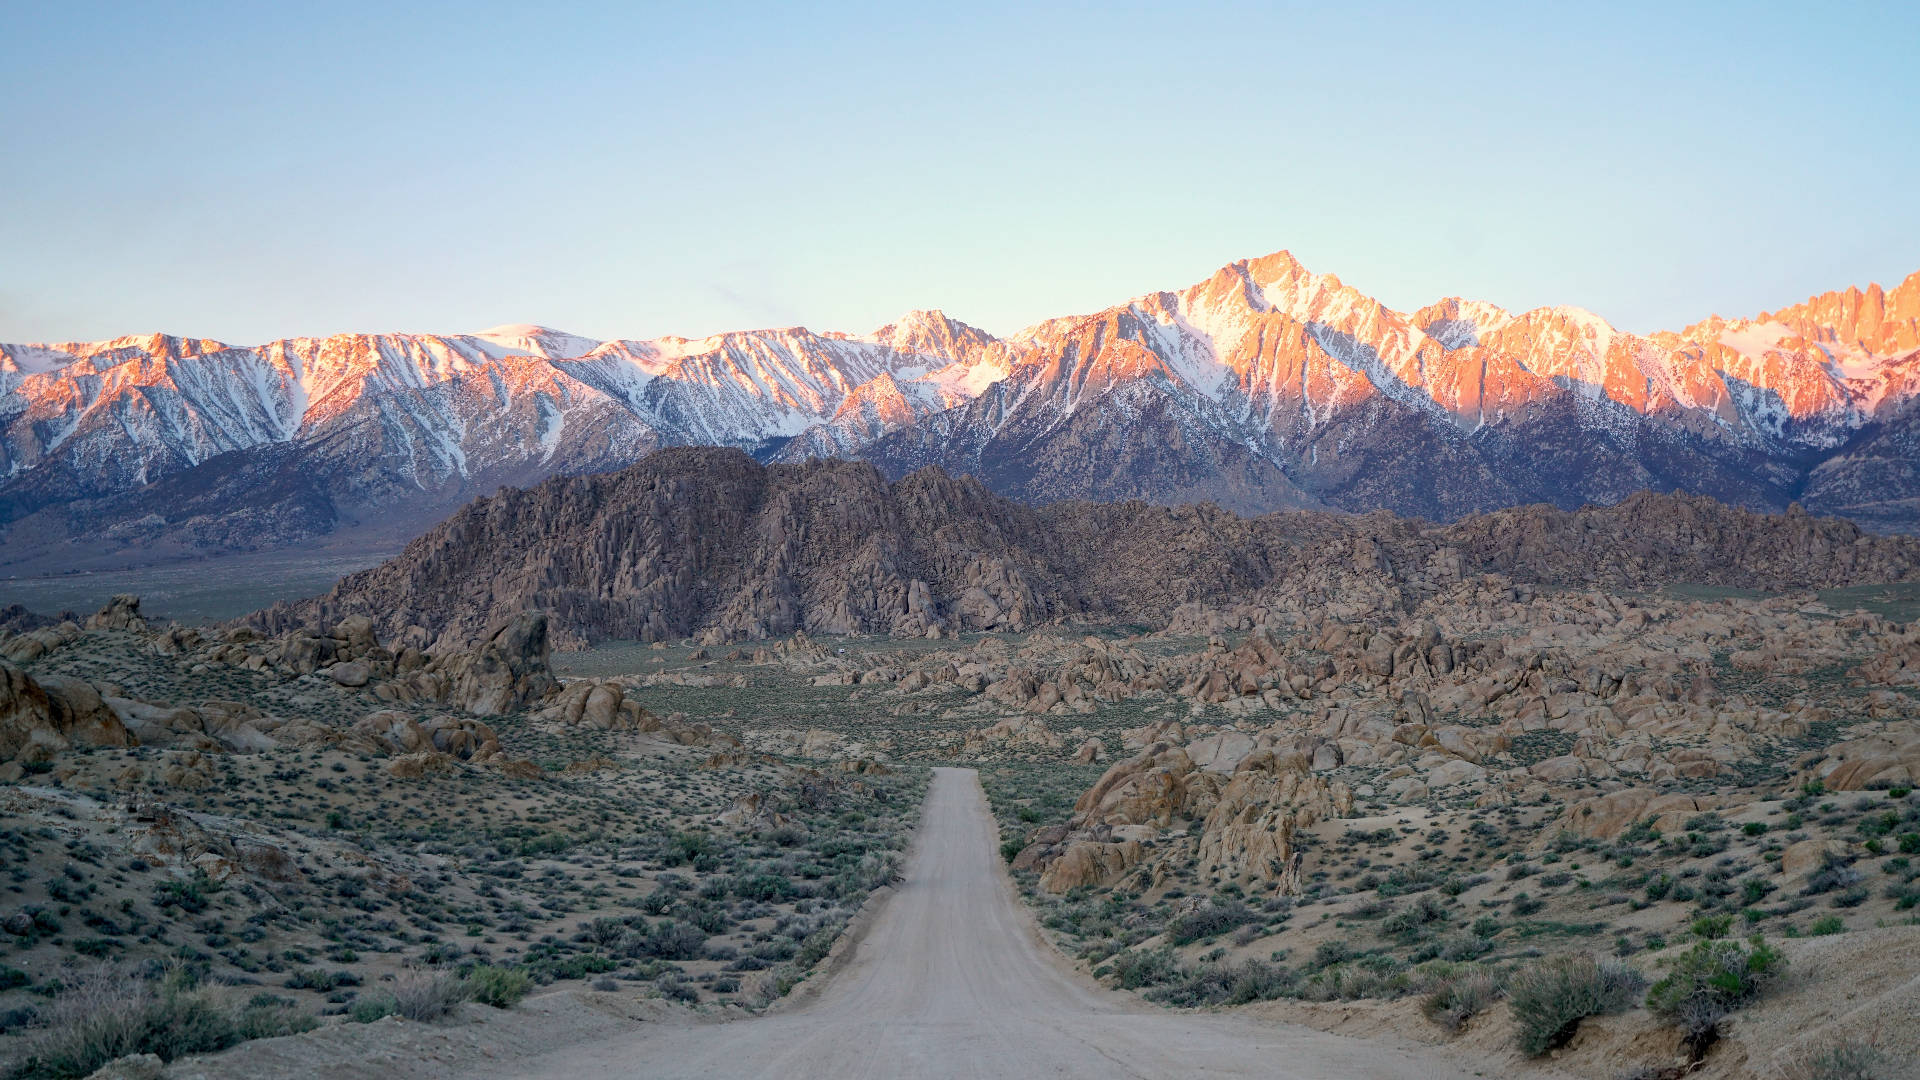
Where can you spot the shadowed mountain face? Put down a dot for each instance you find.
(1264, 387)
(707, 542)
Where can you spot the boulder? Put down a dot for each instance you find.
(38, 720)
(508, 670)
(1806, 856)
(121, 613)
(357, 632)
(1454, 773)
(1091, 862)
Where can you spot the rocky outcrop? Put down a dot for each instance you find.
(1889, 758)
(121, 613)
(709, 543)
(1240, 816)
(606, 706)
(507, 670)
(39, 719)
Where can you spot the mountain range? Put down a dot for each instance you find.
(1265, 387)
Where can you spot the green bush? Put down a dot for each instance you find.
(1711, 927)
(1709, 981)
(767, 888)
(500, 987)
(1550, 997)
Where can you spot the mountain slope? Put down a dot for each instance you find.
(128, 442)
(1266, 386)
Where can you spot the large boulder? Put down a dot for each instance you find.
(508, 670)
(1887, 759)
(37, 720)
(1091, 862)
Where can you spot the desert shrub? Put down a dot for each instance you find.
(1331, 952)
(766, 888)
(1207, 921)
(500, 987)
(1146, 968)
(189, 896)
(370, 1007)
(1368, 977)
(1410, 924)
(1464, 946)
(666, 941)
(323, 981)
(1201, 984)
(675, 988)
(1257, 980)
(1846, 1059)
(271, 1020)
(109, 1012)
(1709, 981)
(1835, 873)
(1550, 997)
(1659, 885)
(1711, 927)
(816, 946)
(428, 995)
(1404, 880)
(1456, 999)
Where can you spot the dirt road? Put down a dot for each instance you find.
(952, 980)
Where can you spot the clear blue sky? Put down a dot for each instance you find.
(247, 171)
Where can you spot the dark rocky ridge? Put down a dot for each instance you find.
(707, 541)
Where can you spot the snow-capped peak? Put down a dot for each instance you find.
(529, 339)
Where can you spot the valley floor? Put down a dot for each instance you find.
(950, 978)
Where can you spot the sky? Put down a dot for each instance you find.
(254, 171)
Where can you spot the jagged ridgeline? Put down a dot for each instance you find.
(1265, 387)
(708, 542)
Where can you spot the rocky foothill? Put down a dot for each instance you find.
(708, 543)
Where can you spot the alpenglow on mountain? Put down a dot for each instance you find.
(1264, 387)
